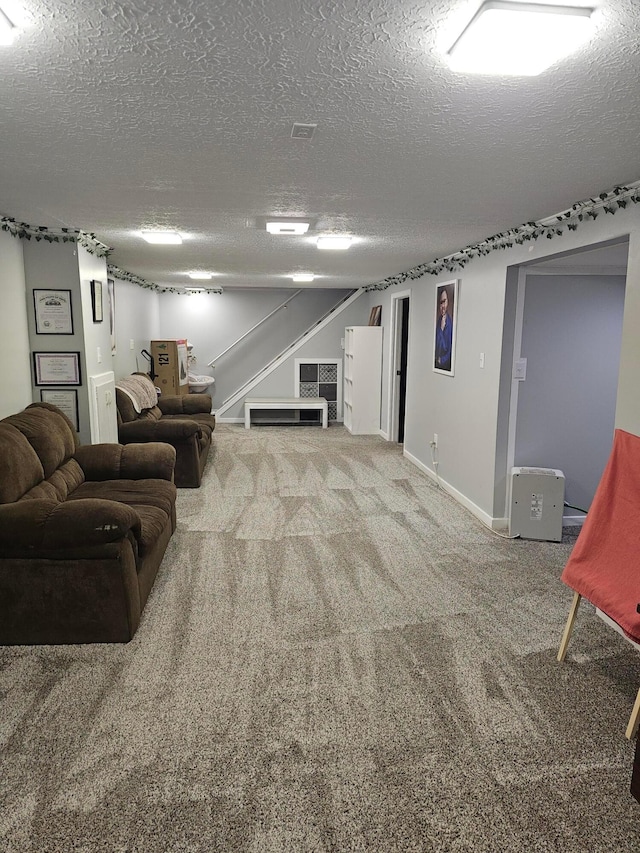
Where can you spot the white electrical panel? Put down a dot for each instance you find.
(537, 503)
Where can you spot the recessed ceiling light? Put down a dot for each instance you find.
(334, 241)
(7, 29)
(287, 227)
(302, 276)
(162, 237)
(200, 276)
(522, 39)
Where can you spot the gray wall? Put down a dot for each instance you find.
(211, 322)
(15, 376)
(326, 343)
(67, 266)
(137, 320)
(571, 337)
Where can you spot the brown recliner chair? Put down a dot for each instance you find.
(185, 422)
(83, 530)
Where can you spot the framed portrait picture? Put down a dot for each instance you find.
(375, 316)
(96, 301)
(53, 312)
(111, 290)
(57, 368)
(445, 321)
(66, 400)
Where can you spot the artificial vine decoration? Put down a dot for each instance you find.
(55, 235)
(550, 227)
(90, 242)
(123, 275)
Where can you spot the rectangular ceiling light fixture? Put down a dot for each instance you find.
(7, 29)
(287, 227)
(334, 242)
(163, 238)
(301, 277)
(506, 37)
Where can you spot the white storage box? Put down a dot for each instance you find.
(537, 503)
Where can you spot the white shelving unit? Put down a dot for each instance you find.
(362, 379)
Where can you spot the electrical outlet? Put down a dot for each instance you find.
(131, 343)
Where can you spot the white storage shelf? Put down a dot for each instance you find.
(362, 379)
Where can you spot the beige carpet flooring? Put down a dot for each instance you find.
(335, 656)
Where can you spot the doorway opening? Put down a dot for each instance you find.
(399, 357)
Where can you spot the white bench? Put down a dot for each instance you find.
(293, 403)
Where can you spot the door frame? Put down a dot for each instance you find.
(393, 385)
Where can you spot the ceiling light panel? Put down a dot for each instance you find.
(334, 242)
(285, 228)
(200, 276)
(519, 39)
(302, 277)
(162, 238)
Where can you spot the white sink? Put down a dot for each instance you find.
(198, 383)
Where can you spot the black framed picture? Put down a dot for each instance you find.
(57, 368)
(96, 301)
(53, 313)
(444, 343)
(66, 399)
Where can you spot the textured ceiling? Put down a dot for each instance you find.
(178, 113)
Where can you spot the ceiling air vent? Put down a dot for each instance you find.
(303, 131)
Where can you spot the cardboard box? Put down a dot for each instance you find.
(171, 366)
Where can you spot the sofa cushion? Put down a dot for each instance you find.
(157, 493)
(127, 411)
(59, 485)
(48, 433)
(20, 468)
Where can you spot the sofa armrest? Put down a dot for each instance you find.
(33, 528)
(171, 431)
(186, 404)
(152, 460)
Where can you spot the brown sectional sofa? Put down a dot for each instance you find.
(83, 530)
(185, 422)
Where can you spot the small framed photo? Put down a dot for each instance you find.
(446, 315)
(375, 316)
(66, 400)
(57, 368)
(96, 301)
(53, 312)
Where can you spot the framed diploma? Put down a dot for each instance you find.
(53, 312)
(57, 368)
(66, 400)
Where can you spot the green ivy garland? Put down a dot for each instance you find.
(55, 235)
(550, 227)
(123, 275)
(90, 242)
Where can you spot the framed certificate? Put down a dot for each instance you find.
(57, 368)
(53, 312)
(66, 400)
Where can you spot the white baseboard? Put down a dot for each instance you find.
(485, 518)
(220, 420)
(384, 434)
(573, 520)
